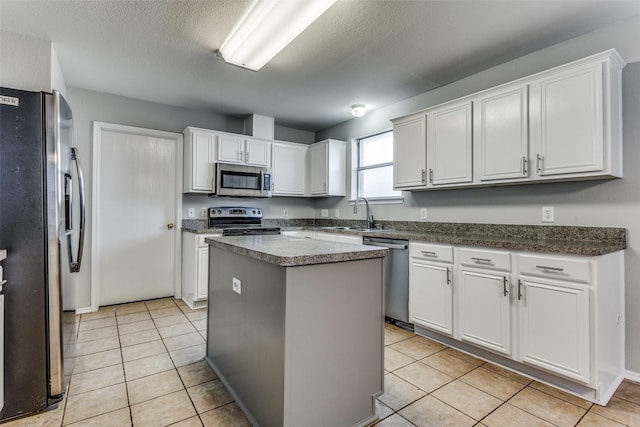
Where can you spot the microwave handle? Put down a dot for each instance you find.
(261, 182)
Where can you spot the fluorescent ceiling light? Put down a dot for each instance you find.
(267, 27)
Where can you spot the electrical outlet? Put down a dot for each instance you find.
(423, 213)
(237, 286)
(191, 213)
(336, 213)
(548, 214)
(324, 213)
(204, 212)
(285, 213)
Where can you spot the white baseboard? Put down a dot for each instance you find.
(84, 310)
(633, 376)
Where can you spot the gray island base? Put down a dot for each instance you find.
(299, 342)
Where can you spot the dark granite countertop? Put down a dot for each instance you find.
(287, 251)
(570, 240)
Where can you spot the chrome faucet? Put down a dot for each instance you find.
(369, 216)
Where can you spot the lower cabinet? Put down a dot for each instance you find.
(555, 318)
(195, 269)
(554, 327)
(484, 309)
(431, 287)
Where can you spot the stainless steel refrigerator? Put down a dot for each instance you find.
(40, 182)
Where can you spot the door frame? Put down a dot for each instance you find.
(98, 128)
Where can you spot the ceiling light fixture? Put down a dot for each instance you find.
(358, 110)
(267, 27)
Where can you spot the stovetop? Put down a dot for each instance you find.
(239, 221)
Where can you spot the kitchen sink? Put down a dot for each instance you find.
(351, 228)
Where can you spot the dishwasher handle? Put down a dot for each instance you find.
(369, 242)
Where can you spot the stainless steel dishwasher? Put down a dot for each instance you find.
(396, 277)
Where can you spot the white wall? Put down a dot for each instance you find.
(613, 203)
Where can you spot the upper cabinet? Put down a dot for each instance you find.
(328, 160)
(558, 125)
(449, 144)
(289, 169)
(410, 153)
(242, 150)
(199, 161)
(500, 130)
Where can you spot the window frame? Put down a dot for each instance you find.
(356, 168)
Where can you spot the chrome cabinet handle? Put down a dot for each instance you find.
(246, 156)
(448, 276)
(544, 267)
(481, 260)
(428, 253)
(539, 162)
(431, 176)
(525, 172)
(519, 289)
(424, 176)
(505, 291)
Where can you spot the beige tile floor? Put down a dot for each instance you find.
(142, 364)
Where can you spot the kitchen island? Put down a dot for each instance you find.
(295, 328)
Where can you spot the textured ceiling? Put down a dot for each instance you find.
(371, 52)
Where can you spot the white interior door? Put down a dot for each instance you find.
(135, 214)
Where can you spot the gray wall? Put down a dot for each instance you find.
(89, 106)
(596, 203)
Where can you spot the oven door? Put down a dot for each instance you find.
(242, 181)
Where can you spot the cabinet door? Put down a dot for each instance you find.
(230, 149)
(566, 111)
(431, 297)
(257, 152)
(318, 156)
(449, 144)
(500, 129)
(202, 159)
(202, 273)
(554, 327)
(410, 153)
(484, 310)
(289, 168)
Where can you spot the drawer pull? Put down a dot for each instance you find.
(481, 260)
(519, 290)
(544, 267)
(505, 291)
(448, 276)
(429, 253)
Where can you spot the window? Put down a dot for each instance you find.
(375, 166)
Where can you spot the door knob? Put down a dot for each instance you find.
(170, 226)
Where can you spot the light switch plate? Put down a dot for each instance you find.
(237, 286)
(548, 214)
(285, 213)
(204, 212)
(191, 213)
(423, 213)
(336, 213)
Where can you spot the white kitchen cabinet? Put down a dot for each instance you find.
(409, 152)
(501, 133)
(289, 169)
(484, 309)
(449, 144)
(240, 149)
(199, 160)
(554, 327)
(431, 287)
(328, 163)
(195, 269)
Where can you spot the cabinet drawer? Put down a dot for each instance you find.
(431, 252)
(492, 260)
(201, 237)
(577, 270)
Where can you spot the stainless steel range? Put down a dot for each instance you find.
(239, 221)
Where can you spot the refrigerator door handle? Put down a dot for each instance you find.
(74, 266)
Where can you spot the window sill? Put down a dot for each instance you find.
(398, 200)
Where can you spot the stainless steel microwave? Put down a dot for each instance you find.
(242, 181)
